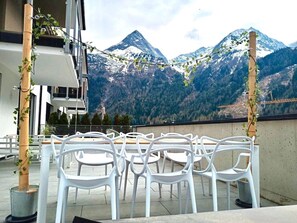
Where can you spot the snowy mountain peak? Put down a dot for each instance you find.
(136, 40)
(265, 44)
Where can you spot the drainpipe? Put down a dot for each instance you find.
(68, 24)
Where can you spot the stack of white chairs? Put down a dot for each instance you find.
(161, 144)
(176, 158)
(230, 148)
(91, 143)
(91, 159)
(153, 159)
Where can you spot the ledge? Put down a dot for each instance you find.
(269, 214)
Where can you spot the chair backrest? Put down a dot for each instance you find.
(178, 143)
(56, 142)
(134, 135)
(232, 150)
(79, 143)
(109, 134)
(190, 135)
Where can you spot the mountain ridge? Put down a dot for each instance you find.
(157, 95)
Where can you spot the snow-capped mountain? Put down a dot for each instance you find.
(135, 44)
(154, 95)
(133, 47)
(265, 46)
(196, 54)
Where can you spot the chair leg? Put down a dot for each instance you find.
(65, 202)
(172, 169)
(134, 195)
(78, 174)
(163, 165)
(192, 194)
(126, 179)
(201, 178)
(160, 185)
(120, 183)
(114, 211)
(59, 210)
(117, 198)
(148, 197)
(228, 195)
(105, 173)
(187, 200)
(253, 192)
(214, 194)
(179, 197)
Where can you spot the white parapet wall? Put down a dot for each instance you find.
(278, 152)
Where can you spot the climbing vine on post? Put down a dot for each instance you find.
(252, 89)
(25, 89)
(42, 25)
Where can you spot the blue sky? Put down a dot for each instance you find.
(183, 26)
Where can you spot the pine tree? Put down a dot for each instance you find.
(85, 119)
(63, 120)
(117, 119)
(53, 118)
(96, 120)
(106, 120)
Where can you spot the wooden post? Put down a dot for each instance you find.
(25, 99)
(252, 104)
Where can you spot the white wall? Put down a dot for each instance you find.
(46, 98)
(9, 98)
(278, 152)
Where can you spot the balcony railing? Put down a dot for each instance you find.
(71, 19)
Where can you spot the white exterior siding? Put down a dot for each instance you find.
(9, 97)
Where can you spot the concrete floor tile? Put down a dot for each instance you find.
(95, 204)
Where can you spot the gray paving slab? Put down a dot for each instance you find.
(95, 204)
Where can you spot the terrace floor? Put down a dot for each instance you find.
(95, 204)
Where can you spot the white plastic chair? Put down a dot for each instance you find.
(158, 145)
(235, 148)
(89, 143)
(176, 157)
(91, 159)
(153, 159)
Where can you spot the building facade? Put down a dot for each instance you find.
(59, 72)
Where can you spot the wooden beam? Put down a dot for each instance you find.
(252, 104)
(25, 99)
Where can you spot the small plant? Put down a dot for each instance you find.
(48, 130)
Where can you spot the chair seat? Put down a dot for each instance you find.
(138, 160)
(234, 148)
(94, 148)
(73, 177)
(162, 145)
(87, 182)
(170, 178)
(180, 158)
(95, 159)
(225, 174)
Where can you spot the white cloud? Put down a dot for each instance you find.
(177, 27)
